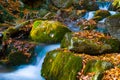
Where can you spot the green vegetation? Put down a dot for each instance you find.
(101, 14)
(48, 31)
(81, 42)
(61, 65)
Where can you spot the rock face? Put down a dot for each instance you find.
(113, 25)
(48, 31)
(90, 42)
(61, 65)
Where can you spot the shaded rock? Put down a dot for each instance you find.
(17, 58)
(113, 25)
(101, 14)
(90, 42)
(88, 4)
(61, 65)
(48, 31)
(16, 52)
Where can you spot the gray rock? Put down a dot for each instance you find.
(113, 25)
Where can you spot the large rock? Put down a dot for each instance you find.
(90, 42)
(61, 65)
(116, 4)
(113, 25)
(48, 31)
(101, 14)
(15, 52)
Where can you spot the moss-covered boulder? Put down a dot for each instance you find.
(101, 14)
(116, 4)
(90, 42)
(61, 65)
(15, 52)
(113, 25)
(48, 31)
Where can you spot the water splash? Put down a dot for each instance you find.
(30, 72)
(104, 5)
(89, 15)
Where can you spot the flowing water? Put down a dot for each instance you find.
(32, 71)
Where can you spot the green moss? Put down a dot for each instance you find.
(102, 13)
(97, 66)
(62, 66)
(97, 18)
(48, 31)
(116, 3)
(17, 58)
(66, 40)
(10, 31)
(114, 43)
(98, 76)
(114, 16)
(93, 46)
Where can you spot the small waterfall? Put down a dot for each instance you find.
(30, 72)
(104, 5)
(89, 15)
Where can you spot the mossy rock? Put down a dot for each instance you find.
(116, 4)
(61, 65)
(90, 43)
(102, 13)
(98, 76)
(97, 66)
(97, 18)
(17, 58)
(48, 31)
(113, 20)
(15, 52)
(113, 25)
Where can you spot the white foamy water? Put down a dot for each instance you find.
(30, 72)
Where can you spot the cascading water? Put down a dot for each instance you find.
(104, 5)
(30, 72)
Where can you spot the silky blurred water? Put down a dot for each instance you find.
(32, 71)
